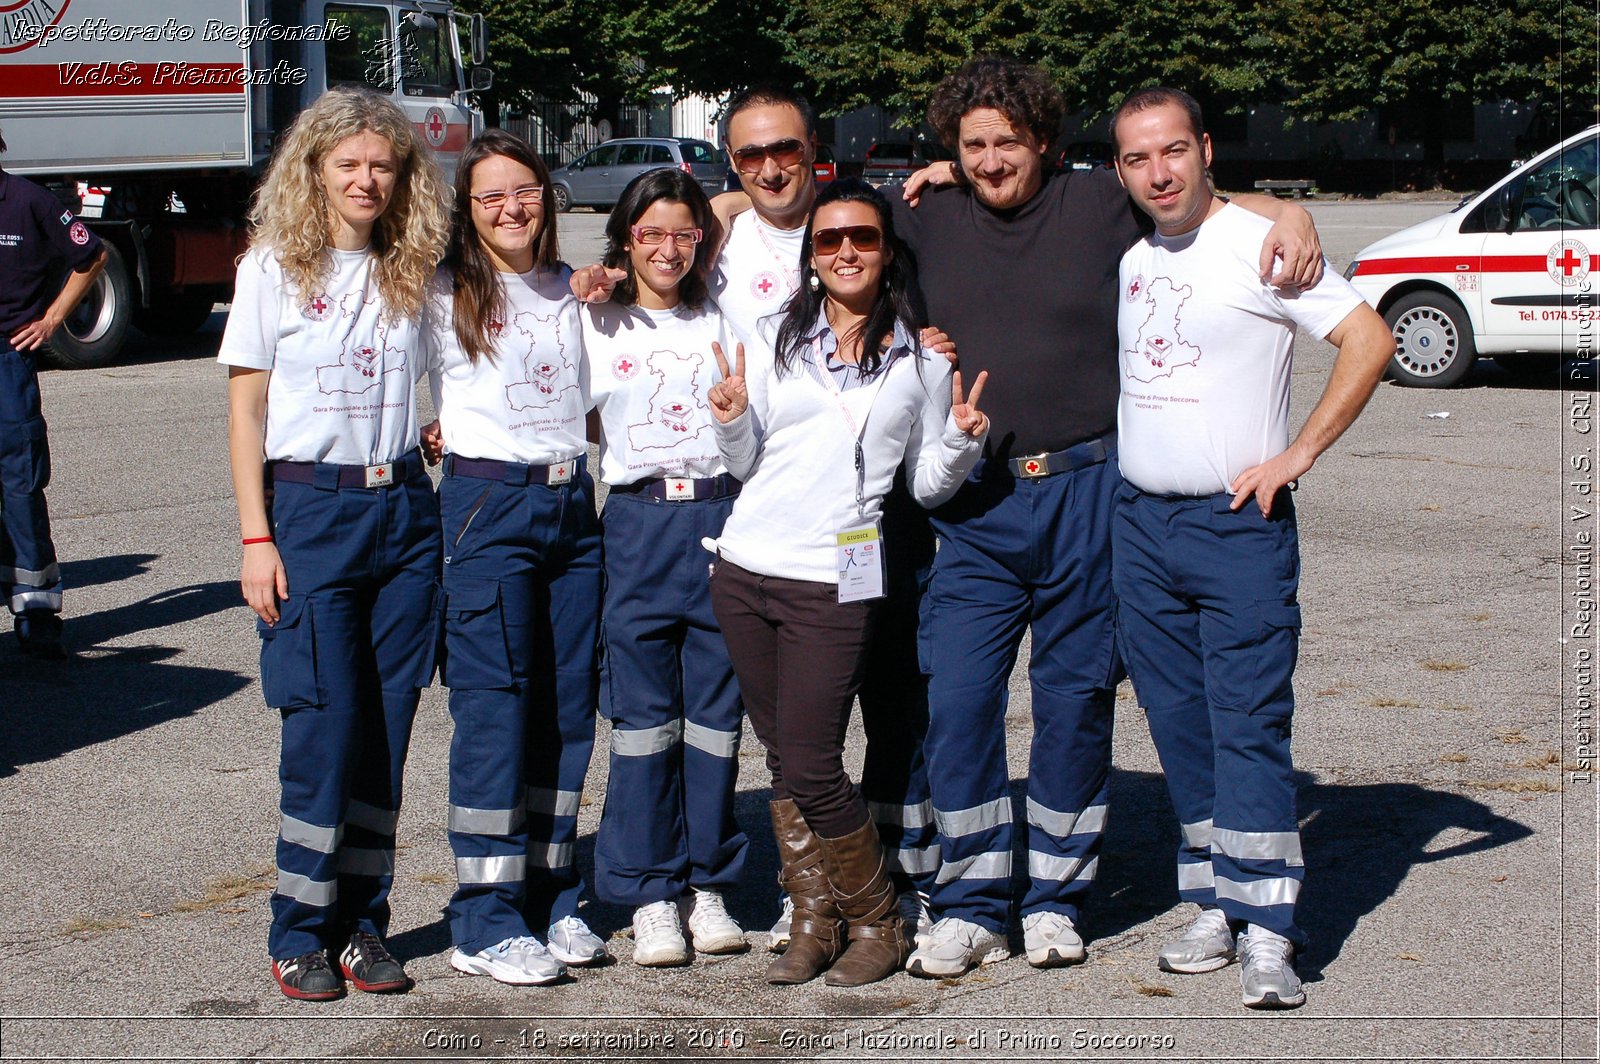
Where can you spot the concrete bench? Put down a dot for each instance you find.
(1299, 186)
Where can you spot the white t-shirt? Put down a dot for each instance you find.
(757, 273)
(650, 371)
(1205, 349)
(526, 403)
(344, 374)
(794, 448)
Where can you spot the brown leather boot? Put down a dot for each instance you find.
(859, 875)
(816, 934)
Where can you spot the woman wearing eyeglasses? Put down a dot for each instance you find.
(816, 429)
(521, 570)
(668, 840)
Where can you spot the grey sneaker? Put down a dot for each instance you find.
(1051, 940)
(571, 942)
(1266, 971)
(778, 937)
(954, 945)
(521, 961)
(1206, 946)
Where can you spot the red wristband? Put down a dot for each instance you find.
(256, 539)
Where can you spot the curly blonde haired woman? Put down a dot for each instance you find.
(338, 519)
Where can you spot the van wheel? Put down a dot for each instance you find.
(92, 334)
(1434, 347)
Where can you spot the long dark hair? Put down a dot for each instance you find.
(671, 185)
(478, 296)
(894, 302)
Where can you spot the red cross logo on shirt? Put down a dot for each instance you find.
(318, 308)
(766, 283)
(625, 366)
(319, 305)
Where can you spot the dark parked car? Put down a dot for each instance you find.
(1087, 154)
(890, 162)
(597, 177)
(823, 166)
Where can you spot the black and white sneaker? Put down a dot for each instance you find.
(370, 967)
(308, 977)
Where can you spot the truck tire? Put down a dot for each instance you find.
(93, 333)
(1434, 345)
(175, 313)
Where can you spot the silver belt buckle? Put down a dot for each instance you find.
(679, 489)
(1034, 465)
(380, 476)
(559, 474)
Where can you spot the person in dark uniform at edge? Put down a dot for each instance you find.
(38, 236)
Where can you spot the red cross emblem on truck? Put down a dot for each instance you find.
(1567, 263)
(434, 127)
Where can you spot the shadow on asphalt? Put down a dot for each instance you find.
(52, 707)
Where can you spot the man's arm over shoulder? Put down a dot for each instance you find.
(1365, 347)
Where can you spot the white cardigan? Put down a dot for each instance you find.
(795, 451)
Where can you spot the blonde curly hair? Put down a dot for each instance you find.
(408, 238)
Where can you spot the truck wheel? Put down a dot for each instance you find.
(1434, 346)
(562, 197)
(92, 334)
(175, 314)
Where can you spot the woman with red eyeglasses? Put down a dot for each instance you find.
(668, 843)
(816, 429)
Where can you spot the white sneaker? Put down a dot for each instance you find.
(953, 945)
(572, 942)
(1266, 970)
(914, 914)
(778, 937)
(1205, 946)
(1051, 940)
(519, 961)
(710, 926)
(658, 937)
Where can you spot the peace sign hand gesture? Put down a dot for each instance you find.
(969, 419)
(728, 397)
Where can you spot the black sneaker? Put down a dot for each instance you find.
(308, 978)
(39, 632)
(369, 966)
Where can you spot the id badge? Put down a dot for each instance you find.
(858, 552)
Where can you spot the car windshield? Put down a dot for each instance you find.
(697, 151)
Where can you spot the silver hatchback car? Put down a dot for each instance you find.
(597, 177)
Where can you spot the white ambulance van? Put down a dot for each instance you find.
(1511, 273)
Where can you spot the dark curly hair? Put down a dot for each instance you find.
(1024, 94)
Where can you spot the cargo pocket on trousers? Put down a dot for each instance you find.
(476, 655)
(289, 674)
(1277, 648)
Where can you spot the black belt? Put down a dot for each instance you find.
(518, 474)
(1078, 456)
(682, 489)
(329, 476)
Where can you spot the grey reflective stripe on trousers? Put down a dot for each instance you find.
(509, 869)
(1196, 876)
(710, 740)
(50, 574)
(361, 861)
(1197, 836)
(642, 742)
(543, 801)
(549, 854)
(469, 821)
(307, 891)
(1092, 821)
(993, 865)
(910, 817)
(971, 821)
(913, 860)
(311, 836)
(22, 601)
(370, 817)
(1259, 846)
(1259, 892)
(1061, 869)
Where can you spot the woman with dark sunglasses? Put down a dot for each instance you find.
(668, 843)
(521, 570)
(817, 429)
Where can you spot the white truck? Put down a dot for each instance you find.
(154, 121)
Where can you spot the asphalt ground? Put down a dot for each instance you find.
(1447, 809)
